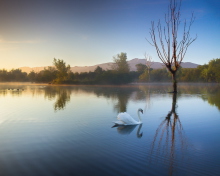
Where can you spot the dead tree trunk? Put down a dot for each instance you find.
(174, 82)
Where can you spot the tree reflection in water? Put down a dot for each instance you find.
(62, 98)
(169, 141)
(122, 97)
(61, 94)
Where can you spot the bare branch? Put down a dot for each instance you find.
(170, 49)
(148, 60)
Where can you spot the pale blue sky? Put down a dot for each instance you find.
(90, 32)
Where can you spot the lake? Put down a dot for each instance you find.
(67, 130)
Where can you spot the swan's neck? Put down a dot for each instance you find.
(139, 117)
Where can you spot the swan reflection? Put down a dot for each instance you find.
(127, 129)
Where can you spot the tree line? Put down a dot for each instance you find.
(120, 73)
(60, 73)
(203, 73)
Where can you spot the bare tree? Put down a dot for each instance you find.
(171, 51)
(149, 63)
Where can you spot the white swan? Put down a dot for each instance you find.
(125, 119)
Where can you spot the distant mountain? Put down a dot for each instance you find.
(157, 65)
(108, 66)
(29, 69)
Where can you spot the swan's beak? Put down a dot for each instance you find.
(142, 111)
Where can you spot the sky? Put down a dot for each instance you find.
(90, 32)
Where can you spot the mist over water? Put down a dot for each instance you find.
(67, 130)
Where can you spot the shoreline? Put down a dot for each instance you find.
(112, 85)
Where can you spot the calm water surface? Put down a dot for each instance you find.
(67, 130)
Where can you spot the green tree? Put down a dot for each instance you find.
(141, 68)
(17, 75)
(3, 75)
(214, 70)
(144, 76)
(160, 75)
(62, 70)
(98, 70)
(202, 72)
(120, 63)
(48, 74)
(32, 76)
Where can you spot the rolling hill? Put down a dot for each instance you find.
(107, 66)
